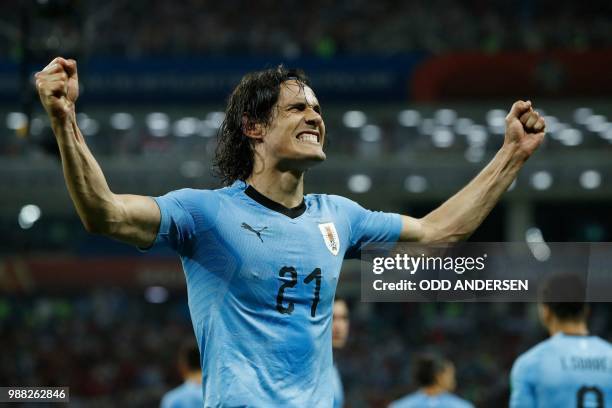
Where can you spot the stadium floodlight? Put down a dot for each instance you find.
(207, 129)
(445, 117)
(122, 121)
(474, 154)
(552, 123)
(416, 183)
(541, 180)
(16, 120)
(582, 114)
(570, 137)
(191, 169)
(186, 127)
(538, 247)
(427, 127)
(496, 120)
(215, 119)
(36, 126)
(359, 183)
(442, 137)
(158, 124)
(28, 215)
(354, 119)
(156, 294)
(590, 179)
(607, 134)
(596, 123)
(88, 126)
(463, 126)
(476, 135)
(370, 133)
(409, 118)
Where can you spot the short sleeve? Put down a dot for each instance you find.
(521, 385)
(184, 213)
(367, 226)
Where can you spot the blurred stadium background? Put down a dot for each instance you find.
(414, 97)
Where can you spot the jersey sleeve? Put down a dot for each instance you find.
(367, 226)
(522, 384)
(184, 213)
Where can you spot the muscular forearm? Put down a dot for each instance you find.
(460, 215)
(129, 218)
(88, 188)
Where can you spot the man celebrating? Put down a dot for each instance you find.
(188, 394)
(435, 377)
(571, 369)
(262, 260)
(340, 332)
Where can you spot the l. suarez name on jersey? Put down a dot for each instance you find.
(573, 363)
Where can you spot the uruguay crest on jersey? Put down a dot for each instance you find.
(330, 236)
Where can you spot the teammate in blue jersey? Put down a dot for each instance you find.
(435, 377)
(571, 369)
(188, 394)
(340, 332)
(262, 260)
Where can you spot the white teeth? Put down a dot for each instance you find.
(308, 137)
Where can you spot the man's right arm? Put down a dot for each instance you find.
(128, 218)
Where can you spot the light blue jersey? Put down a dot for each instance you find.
(261, 280)
(562, 372)
(421, 400)
(338, 389)
(186, 395)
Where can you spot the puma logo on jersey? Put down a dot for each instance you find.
(253, 230)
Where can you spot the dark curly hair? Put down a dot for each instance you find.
(253, 98)
(426, 368)
(565, 295)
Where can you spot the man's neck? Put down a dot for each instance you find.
(572, 328)
(433, 390)
(194, 377)
(286, 188)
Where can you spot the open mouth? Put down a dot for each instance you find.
(309, 137)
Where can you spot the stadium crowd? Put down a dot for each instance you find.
(323, 28)
(112, 347)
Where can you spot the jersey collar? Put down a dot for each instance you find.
(273, 205)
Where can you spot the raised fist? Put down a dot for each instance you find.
(58, 87)
(525, 128)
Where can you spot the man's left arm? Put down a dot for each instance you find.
(459, 216)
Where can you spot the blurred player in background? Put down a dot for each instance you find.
(572, 368)
(340, 332)
(188, 394)
(435, 377)
(262, 260)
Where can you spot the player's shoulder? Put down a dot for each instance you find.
(530, 358)
(190, 194)
(457, 402)
(171, 398)
(408, 401)
(333, 201)
(597, 344)
(602, 342)
(196, 196)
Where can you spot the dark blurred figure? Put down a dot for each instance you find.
(435, 377)
(189, 394)
(571, 368)
(340, 331)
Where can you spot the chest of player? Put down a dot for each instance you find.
(295, 260)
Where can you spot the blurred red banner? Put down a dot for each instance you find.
(49, 273)
(516, 75)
